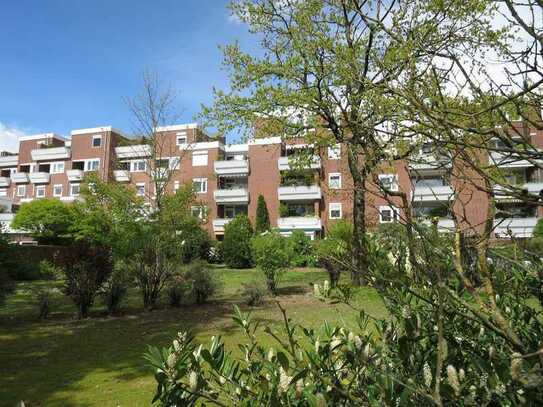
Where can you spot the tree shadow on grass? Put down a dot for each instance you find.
(54, 362)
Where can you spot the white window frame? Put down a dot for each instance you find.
(198, 159)
(181, 136)
(134, 166)
(88, 165)
(19, 189)
(201, 181)
(334, 152)
(395, 213)
(97, 137)
(57, 171)
(72, 186)
(330, 176)
(37, 190)
(202, 212)
(138, 186)
(174, 163)
(176, 186)
(393, 182)
(61, 190)
(334, 206)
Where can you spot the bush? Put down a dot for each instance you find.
(196, 244)
(178, 290)
(202, 280)
(48, 271)
(538, 229)
(216, 255)
(271, 255)
(301, 249)
(237, 242)
(253, 293)
(262, 222)
(6, 263)
(115, 289)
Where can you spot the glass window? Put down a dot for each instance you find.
(388, 214)
(140, 189)
(199, 160)
(199, 212)
(181, 139)
(75, 189)
(334, 181)
(335, 211)
(138, 166)
(515, 210)
(40, 191)
(429, 182)
(21, 190)
(96, 141)
(57, 190)
(57, 168)
(334, 152)
(231, 211)
(200, 185)
(389, 181)
(92, 165)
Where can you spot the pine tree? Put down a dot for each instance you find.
(262, 222)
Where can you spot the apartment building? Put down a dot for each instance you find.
(229, 178)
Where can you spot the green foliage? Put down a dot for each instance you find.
(6, 263)
(48, 220)
(538, 229)
(302, 249)
(115, 289)
(42, 297)
(178, 289)
(216, 254)
(237, 242)
(253, 293)
(271, 255)
(86, 268)
(335, 253)
(283, 210)
(262, 222)
(48, 270)
(202, 280)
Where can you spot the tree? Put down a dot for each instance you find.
(272, 256)
(49, 220)
(6, 263)
(262, 221)
(237, 242)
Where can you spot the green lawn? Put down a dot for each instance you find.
(98, 361)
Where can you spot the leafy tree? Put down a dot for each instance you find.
(301, 249)
(236, 245)
(202, 280)
(262, 222)
(538, 230)
(49, 220)
(271, 255)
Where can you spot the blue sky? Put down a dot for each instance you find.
(69, 64)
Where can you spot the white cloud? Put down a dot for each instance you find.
(9, 137)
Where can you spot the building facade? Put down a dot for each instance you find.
(229, 178)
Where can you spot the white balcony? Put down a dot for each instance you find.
(309, 223)
(232, 167)
(432, 194)
(39, 177)
(9, 161)
(518, 227)
(219, 224)
(506, 160)
(533, 188)
(19, 177)
(53, 153)
(5, 182)
(75, 175)
(121, 175)
(429, 162)
(284, 163)
(299, 193)
(137, 151)
(238, 195)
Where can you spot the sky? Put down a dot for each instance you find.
(68, 65)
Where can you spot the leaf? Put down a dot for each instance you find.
(283, 360)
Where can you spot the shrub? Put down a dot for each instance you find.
(538, 229)
(48, 271)
(196, 244)
(202, 280)
(262, 222)
(237, 242)
(271, 255)
(178, 290)
(115, 289)
(6, 263)
(216, 255)
(253, 293)
(301, 249)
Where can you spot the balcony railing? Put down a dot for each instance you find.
(219, 224)
(52, 153)
(428, 161)
(121, 175)
(19, 177)
(39, 177)
(533, 188)
(432, 194)
(5, 181)
(231, 195)
(299, 193)
(310, 223)
(284, 163)
(137, 151)
(518, 227)
(232, 167)
(506, 160)
(75, 175)
(9, 161)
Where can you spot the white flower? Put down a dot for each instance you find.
(222, 380)
(452, 377)
(284, 380)
(516, 365)
(326, 285)
(172, 360)
(197, 352)
(316, 290)
(427, 373)
(357, 342)
(270, 355)
(406, 312)
(367, 351)
(317, 345)
(193, 380)
(461, 375)
(335, 342)
(176, 345)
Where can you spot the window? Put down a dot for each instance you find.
(176, 186)
(199, 212)
(138, 166)
(96, 141)
(21, 190)
(389, 181)
(335, 211)
(57, 168)
(162, 163)
(334, 180)
(388, 214)
(200, 185)
(40, 191)
(199, 160)
(334, 152)
(140, 189)
(75, 189)
(92, 165)
(231, 211)
(181, 138)
(57, 190)
(174, 163)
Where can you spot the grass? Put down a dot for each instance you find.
(98, 361)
